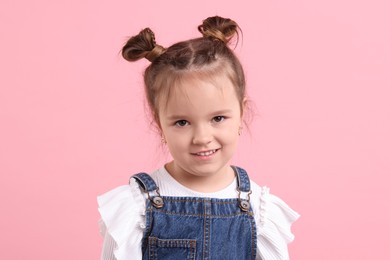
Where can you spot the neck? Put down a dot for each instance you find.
(207, 183)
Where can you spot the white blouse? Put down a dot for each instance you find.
(122, 221)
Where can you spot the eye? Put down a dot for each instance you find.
(181, 123)
(218, 119)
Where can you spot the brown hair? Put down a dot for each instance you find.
(200, 57)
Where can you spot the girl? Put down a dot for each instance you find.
(197, 206)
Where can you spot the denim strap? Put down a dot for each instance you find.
(242, 179)
(145, 181)
(148, 184)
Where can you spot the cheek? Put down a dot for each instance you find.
(229, 135)
(231, 129)
(175, 135)
(176, 140)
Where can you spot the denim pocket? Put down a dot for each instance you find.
(172, 249)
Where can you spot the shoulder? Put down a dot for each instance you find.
(122, 212)
(118, 193)
(273, 222)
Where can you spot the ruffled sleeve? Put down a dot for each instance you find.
(273, 223)
(122, 212)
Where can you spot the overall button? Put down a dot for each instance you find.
(158, 202)
(244, 205)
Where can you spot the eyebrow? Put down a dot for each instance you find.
(222, 112)
(215, 113)
(176, 117)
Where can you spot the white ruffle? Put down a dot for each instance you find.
(273, 222)
(122, 212)
(122, 222)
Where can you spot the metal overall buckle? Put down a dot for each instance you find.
(157, 201)
(244, 203)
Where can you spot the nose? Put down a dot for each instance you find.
(202, 135)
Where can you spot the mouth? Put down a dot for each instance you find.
(206, 153)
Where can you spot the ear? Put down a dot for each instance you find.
(244, 104)
(161, 133)
(156, 119)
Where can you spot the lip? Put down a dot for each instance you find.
(206, 154)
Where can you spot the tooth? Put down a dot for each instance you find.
(207, 153)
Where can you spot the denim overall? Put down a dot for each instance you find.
(179, 228)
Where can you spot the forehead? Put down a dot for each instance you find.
(192, 94)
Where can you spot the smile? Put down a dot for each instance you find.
(206, 153)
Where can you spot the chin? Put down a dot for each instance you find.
(206, 170)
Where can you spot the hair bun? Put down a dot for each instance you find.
(143, 45)
(219, 28)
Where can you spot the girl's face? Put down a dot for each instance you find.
(200, 124)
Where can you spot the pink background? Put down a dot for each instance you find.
(73, 124)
